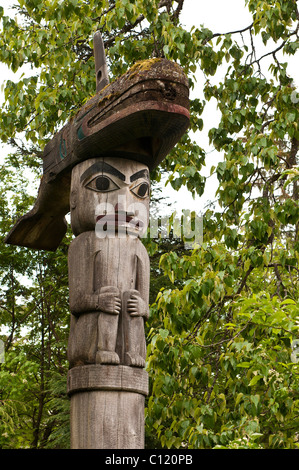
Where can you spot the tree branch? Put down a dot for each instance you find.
(239, 31)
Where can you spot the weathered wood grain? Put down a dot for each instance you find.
(107, 377)
(107, 420)
(109, 302)
(108, 277)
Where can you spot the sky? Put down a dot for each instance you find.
(219, 16)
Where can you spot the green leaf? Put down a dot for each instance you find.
(164, 333)
(244, 364)
(239, 398)
(254, 380)
(166, 49)
(255, 400)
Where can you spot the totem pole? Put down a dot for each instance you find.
(97, 167)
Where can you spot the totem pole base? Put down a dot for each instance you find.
(107, 406)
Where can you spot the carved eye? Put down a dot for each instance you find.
(102, 184)
(141, 190)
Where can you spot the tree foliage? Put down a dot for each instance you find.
(224, 315)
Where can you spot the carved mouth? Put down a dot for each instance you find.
(118, 219)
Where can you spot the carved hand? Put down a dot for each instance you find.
(109, 300)
(136, 306)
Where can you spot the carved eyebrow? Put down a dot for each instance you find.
(104, 167)
(139, 174)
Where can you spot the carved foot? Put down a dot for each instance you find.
(135, 360)
(107, 357)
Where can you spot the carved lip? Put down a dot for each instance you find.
(119, 218)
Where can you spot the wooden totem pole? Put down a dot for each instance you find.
(97, 168)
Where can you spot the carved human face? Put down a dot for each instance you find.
(111, 195)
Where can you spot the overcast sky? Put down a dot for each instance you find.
(219, 16)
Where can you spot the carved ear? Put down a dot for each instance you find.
(73, 199)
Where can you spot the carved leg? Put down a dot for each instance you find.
(135, 355)
(82, 344)
(107, 335)
(134, 331)
(72, 342)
